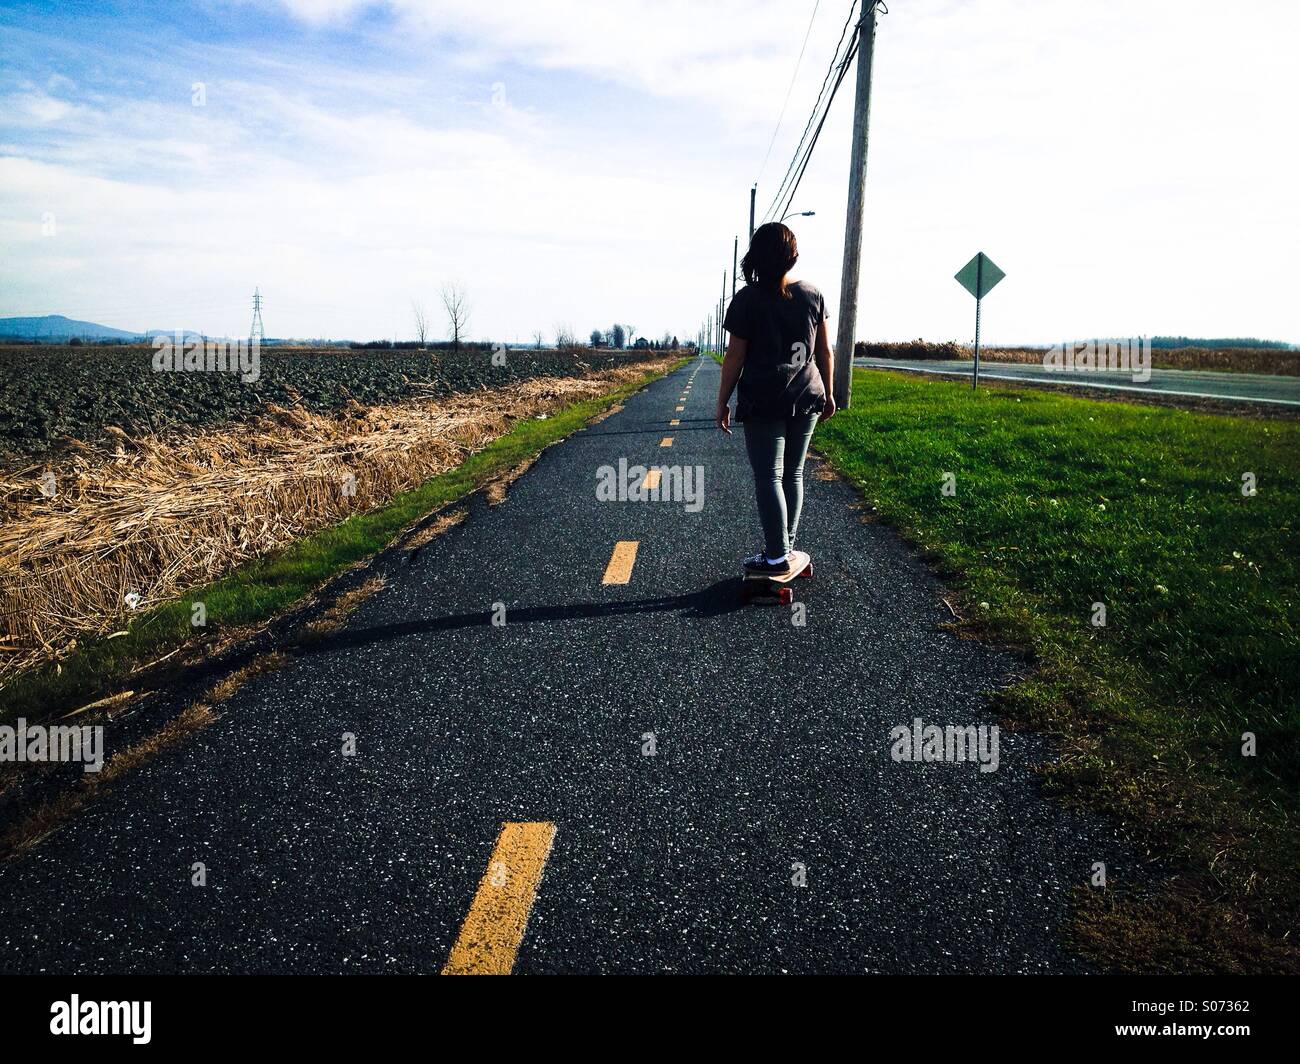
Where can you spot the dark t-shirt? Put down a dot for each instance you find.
(779, 377)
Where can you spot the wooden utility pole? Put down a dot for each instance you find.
(735, 250)
(853, 221)
(753, 193)
(722, 313)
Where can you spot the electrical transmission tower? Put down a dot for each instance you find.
(256, 333)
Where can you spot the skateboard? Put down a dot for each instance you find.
(756, 585)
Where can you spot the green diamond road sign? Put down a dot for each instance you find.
(979, 275)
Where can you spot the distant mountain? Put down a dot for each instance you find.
(57, 327)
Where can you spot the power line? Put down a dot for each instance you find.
(786, 102)
(799, 163)
(844, 68)
(837, 62)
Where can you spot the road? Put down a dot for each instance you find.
(769, 764)
(1203, 384)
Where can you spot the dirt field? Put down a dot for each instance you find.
(50, 394)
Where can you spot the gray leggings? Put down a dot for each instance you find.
(777, 448)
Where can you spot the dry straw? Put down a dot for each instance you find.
(161, 514)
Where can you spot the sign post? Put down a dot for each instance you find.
(978, 278)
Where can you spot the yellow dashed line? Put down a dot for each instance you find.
(619, 569)
(667, 441)
(679, 409)
(498, 915)
(675, 421)
(651, 480)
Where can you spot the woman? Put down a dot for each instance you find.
(781, 356)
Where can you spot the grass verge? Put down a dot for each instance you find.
(261, 589)
(1059, 504)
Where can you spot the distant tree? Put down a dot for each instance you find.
(456, 304)
(1174, 342)
(421, 321)
(617, 337)
(597, 337)
(537, 339)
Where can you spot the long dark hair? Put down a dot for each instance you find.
(772, 252)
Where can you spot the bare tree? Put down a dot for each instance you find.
(537, 339)
(456, 303)
(564, 338)
(421, 321)
(631, 334)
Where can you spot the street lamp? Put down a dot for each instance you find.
(799, 214)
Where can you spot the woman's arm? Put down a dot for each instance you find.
(826, 367)
(731, 365)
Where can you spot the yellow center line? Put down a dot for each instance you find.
(675, 421)
(679, 409)
(667, 441)
(651, 480)
(619, 569)
(498, 915)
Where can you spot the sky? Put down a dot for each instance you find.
(1130, 165)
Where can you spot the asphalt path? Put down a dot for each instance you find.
(763, 828)
(1203, 384)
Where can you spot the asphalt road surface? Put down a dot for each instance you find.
(686, 784)
(1204, 384)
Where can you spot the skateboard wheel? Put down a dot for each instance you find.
(807, 573)
(786, 596)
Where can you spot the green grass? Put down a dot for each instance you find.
(1063, 502)
(263, 588)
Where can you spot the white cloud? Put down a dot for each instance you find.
(1128, 165)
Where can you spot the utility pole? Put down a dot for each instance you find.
(722, 313)
(853, 221)
(735, 250)
(753, 193)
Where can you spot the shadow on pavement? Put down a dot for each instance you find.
(720, 598)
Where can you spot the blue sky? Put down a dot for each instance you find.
(1130, 165)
